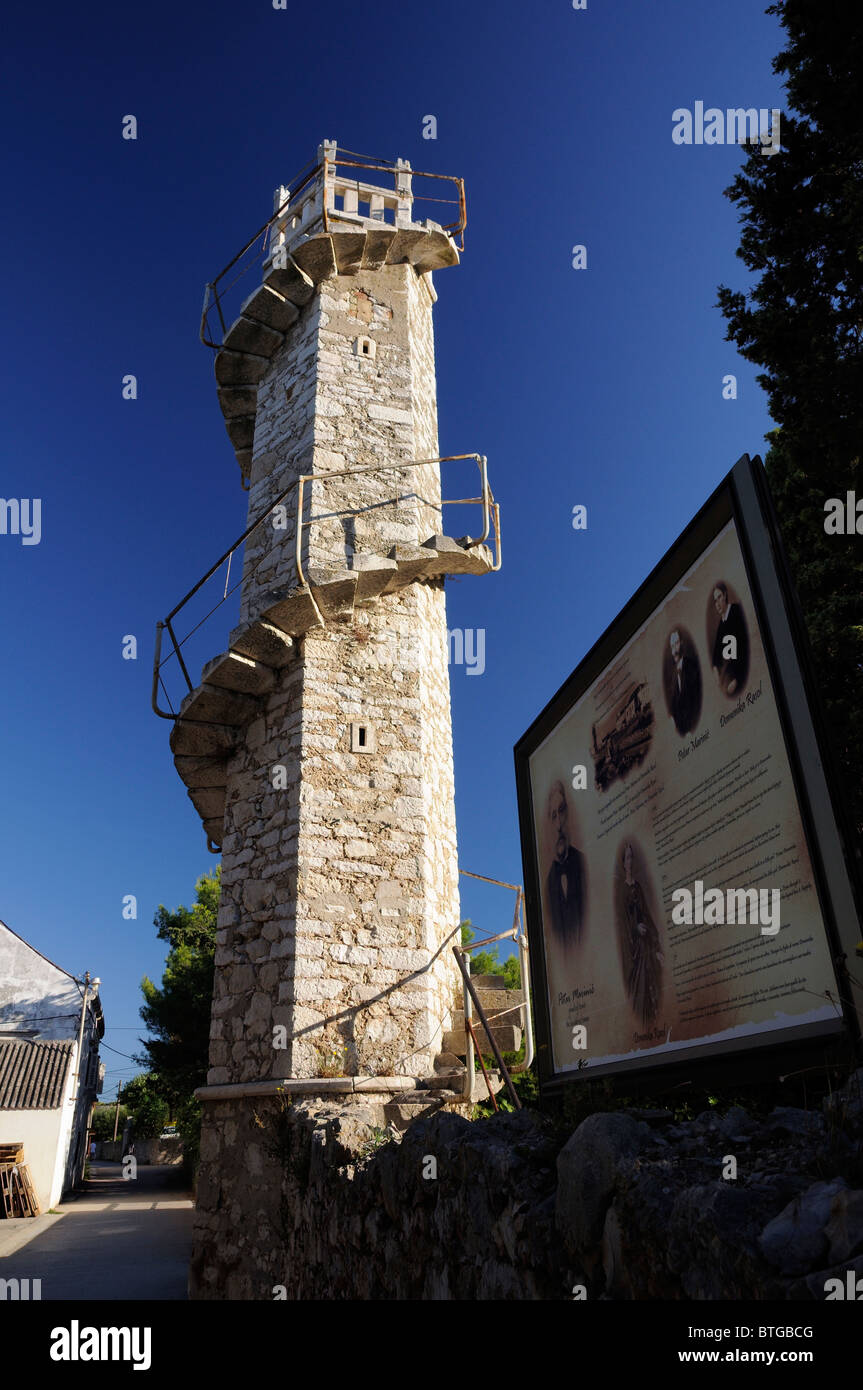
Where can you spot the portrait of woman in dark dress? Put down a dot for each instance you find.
(644, 983)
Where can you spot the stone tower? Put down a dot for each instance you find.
(318, 747)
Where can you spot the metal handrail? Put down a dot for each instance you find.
(308, 175)
(517, 934)
(456, 228)
(491, 516)
(165, 624)
(486, 499)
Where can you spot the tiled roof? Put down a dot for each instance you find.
(33, 1074)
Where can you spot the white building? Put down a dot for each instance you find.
(50, 1074)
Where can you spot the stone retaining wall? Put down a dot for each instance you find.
(633, 1205)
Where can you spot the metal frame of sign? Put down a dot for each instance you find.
(743, 497)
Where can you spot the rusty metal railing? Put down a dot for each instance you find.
(490, 508)
(490, 518)
(517, 934)
(310, 200)
(339, 185)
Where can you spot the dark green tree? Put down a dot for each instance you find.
(147, 1106)
(802, 321)
(489, 962)
(102, 1124)
(178, 1012)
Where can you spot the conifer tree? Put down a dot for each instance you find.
(802, 322)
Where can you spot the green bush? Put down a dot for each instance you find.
(103, 1122)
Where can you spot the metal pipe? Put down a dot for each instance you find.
(179, 655)
(467, 1087)
(298, 539)
(508, 935)
(154, 697)
(484, 1021)
(222, 558)
(349, 472)
(498, 882)
(516, 934)
(529, 1052)
(469, 1026)
(204, 312)
(81, 1030)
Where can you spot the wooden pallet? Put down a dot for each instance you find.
(11, 1153)
(16, 1190)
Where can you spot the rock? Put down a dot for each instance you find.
(796, 1239)
(845, 1106)
(612, 1255)
(735, 1122)
(816, 1285)
(447, 1061)
(587, 1170)
(845, 1227)
(786, 1119)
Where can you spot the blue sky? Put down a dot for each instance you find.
(601, 386)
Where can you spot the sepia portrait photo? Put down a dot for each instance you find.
(681, 678)
(727, 639)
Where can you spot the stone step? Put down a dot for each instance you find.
(334, 590)
(291, 611)
(214, 829)
(233, 671)
(238, 400)
(349, 248)
(493, 999)
(316, 257)
(291, 282)
(435, 253)
(507, 1038)
(262, 642)
(209, 802)
(239, 368)
(213, 704)
(202, 772)
(405, 242)
(455, 557)
(498, 1017)
(241, 432)
(483, 983)
(402, 1112)
(378, 243)
(203, 740)
(269, 307)
(248, 335)
(373, 574)
(412, 562)
(451, 1080)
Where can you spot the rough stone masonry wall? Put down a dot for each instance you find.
(632, 1205)
(376, 888)
(375, 411)
(338, 890)
(283, 449)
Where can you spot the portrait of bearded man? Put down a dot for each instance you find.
(566, 884)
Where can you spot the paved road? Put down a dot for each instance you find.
(116, 1240)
